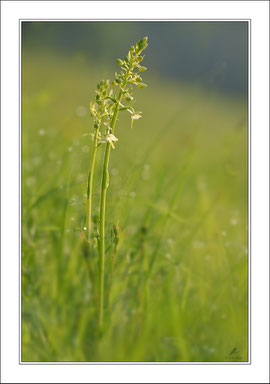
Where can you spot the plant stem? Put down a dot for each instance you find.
(104, 187)
(90, 187)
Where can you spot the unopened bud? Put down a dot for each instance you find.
(119, 62)
(141, 85)
(142, 69)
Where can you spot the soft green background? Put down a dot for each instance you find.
(179, 189)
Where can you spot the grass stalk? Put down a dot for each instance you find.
(90, 186)
(104, 187)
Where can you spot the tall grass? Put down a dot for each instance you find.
(178, 203)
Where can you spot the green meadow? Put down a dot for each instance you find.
(176, 290)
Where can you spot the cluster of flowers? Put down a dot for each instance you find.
(112, 96)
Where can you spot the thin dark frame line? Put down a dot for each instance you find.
(138, 20)
(209, 1)
(1, 203)
(20, 193)
(249, 194)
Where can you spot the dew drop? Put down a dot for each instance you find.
(85, 149)
(205, 347)
(52, 156)
(36, 160)
(76, 142)
(30, 181)
(81, 111)
(131, 229)
(115, 171)
(198, 244)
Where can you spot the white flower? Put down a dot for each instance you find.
(109, 138)
(135, 116)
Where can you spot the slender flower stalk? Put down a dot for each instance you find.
(104, 187)
(99, 112)
(90, 186)
(106, 107)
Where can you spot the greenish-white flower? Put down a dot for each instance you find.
(109, 138)
(136, 115)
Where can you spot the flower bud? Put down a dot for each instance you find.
(129, 98)
(119, 62)
(141, 85)
(142, 69)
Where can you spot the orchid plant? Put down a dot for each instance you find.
(111, 98)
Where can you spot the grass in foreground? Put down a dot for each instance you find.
(179, 195)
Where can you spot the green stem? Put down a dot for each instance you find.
(90, 187)
(104, 187)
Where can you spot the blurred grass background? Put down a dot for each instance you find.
(178, 187)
